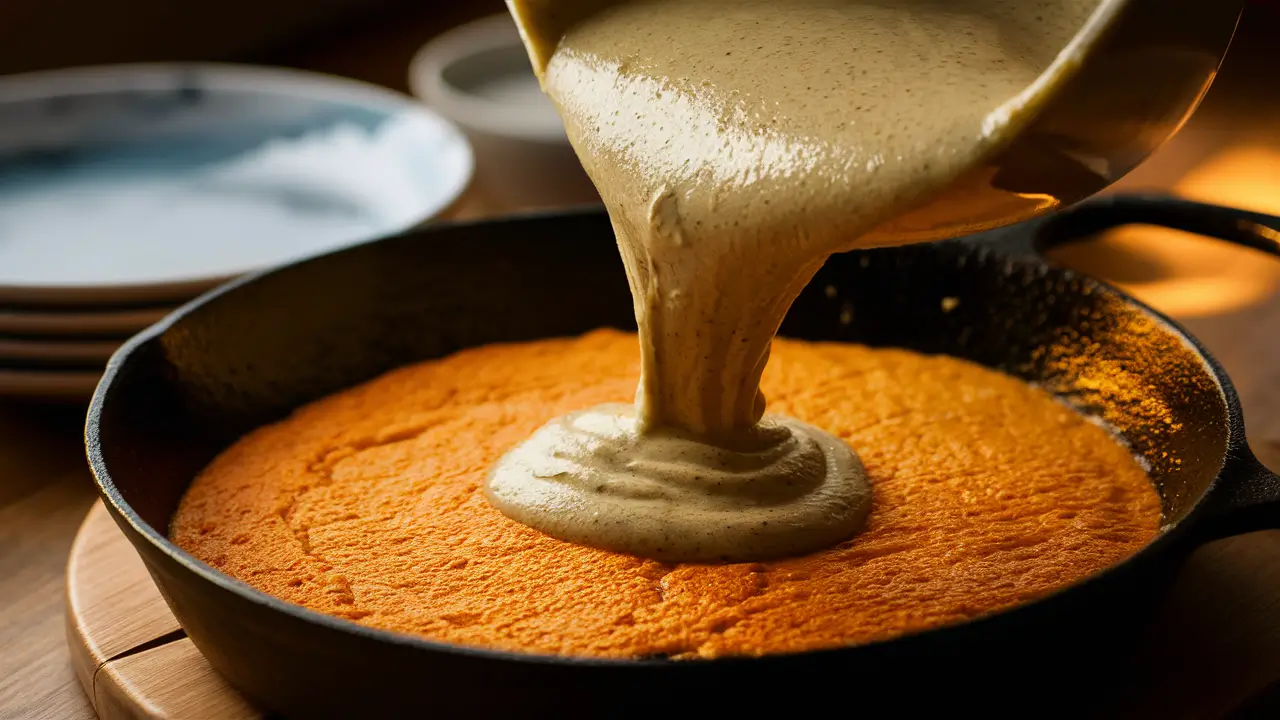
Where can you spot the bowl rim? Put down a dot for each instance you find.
(468, 41)
(1169, 534)
(44, 85)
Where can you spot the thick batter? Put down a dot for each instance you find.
(368, 505)
(737, 144)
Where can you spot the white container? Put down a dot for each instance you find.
(478, 75)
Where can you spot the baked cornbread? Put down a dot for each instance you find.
(368, 505)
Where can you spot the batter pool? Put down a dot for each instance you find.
(369, 505)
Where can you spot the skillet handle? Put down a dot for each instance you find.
(1238, 227)
(1247, 495)
(1245, 498)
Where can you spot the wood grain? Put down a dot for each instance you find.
(1215, 642)
(172, 681)
(113, 606)
(128, 650)
(45, 490)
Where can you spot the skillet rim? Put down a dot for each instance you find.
(1023, 250)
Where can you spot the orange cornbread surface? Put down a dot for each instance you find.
(368, 505)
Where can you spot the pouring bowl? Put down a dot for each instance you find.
(1127, 81)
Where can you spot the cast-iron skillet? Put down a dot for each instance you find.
(251, 351)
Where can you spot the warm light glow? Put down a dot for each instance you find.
(1187, 275)
(1042, 201)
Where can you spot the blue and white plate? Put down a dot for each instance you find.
(150, 183)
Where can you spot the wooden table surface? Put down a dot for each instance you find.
(1215, 645)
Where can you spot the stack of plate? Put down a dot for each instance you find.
(126, 191)
(56, 350)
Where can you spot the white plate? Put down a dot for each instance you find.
(38, 385)
(88, 353)
(118, 323)
(155, 182)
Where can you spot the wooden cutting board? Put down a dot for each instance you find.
(1214, 647)
(127, 648)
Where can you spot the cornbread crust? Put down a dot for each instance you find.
(368, 505)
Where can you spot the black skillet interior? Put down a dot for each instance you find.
(251, 351)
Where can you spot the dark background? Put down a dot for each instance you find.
(367, 38)
(42, 34)
(372, 39)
